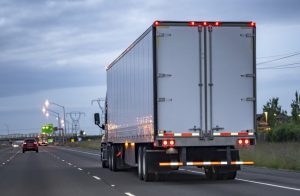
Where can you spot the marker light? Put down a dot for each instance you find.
(217, 24)
(204, 23)
(156, 23)
(192, 23)
(252, 24)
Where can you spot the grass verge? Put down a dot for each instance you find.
(89, 144)
(284, 155)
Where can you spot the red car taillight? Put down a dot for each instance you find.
(35, 143)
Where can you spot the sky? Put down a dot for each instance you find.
(58, 50)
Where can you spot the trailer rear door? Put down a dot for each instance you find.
(178, 93)
(231, 78)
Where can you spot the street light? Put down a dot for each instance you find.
(48, 103)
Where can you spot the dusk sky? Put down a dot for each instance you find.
(58, 50)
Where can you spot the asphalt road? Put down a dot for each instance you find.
(56, 171)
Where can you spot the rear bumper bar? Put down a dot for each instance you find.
(205, 163)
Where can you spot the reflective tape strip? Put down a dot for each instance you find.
(171, 164)
(208, 163)
(233, 134)
(205, 163)
(178, 134)
(242, 162)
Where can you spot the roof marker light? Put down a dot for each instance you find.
(217, 23)
(156, 23)
(204, 23)
(252, 24)
(192, 23)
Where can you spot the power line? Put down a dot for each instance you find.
(277, 59)
(284, 67)
(279, 66)
(276, 55)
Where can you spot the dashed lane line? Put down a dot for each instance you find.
(129, 194)
(79, 168)
(96, 177)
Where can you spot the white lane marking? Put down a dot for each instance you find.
(129, 194)
(7, 160)
(3, 163)
(69, 163)
(112, 185)
(96, 177)
(251, 181)
(82, 152)
(79, 168)
(268, 184)
(63, 160)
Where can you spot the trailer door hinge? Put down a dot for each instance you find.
(163, 34)
(248, 99)
(248, 75)
(162, 75)
(163, 99)
(247, 35)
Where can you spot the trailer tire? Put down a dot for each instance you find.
(104, 164)
(113, 158)
(231, 175)
(212, 173)
(147, 176)
(109, 157)
(140, 162)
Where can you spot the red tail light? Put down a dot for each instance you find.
(246, 141)
(156, 23)
(168, 143)
(204, 23)
(172, 143)
(243, 142)
(240, 141)
(165, 143)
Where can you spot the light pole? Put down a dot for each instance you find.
(47, 103)
(46, 112)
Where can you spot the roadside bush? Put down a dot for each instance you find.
(285, 132)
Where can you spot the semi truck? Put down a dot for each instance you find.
(182, 94)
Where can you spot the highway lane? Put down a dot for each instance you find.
(187, 181)
(72, 171)
(43, 174)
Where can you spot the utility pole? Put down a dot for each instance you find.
(75, 117)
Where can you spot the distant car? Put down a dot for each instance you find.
(43, 143)
(30, 145)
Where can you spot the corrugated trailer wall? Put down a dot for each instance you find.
(130, 93)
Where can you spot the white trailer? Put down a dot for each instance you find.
(183, 94)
